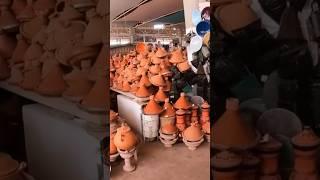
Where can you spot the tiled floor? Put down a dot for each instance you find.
(155, 162)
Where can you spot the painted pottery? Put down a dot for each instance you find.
(242, 135)
(182, 102)
(226, 166)
(125, 139)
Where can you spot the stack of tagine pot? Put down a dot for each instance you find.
(56, 48)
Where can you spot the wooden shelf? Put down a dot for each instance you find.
(58, 103)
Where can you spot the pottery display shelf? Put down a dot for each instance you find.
(131, 96)
(94, 121)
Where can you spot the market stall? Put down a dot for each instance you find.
(160, 94)
(53, 62)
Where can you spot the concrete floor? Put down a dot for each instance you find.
(155, 162)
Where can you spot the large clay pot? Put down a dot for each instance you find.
(226, 166)
(242, 135)
(125, 139)
(8, 21)
(7, 45)
(96, 27)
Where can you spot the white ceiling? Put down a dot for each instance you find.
(146, 12)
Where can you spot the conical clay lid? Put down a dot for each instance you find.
(242, 135)
(152, 108)
(169, 111)
(53, 83)
(142, 92)
(182, 102)
(78, 84)
(97, 99)
(193, 133)
(32, 78)
(160, 95)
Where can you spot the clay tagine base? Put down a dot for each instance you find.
(168, 139)
(129, 165)
(113, 157)
(192, 145)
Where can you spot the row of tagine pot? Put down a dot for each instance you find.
(178, 123)
(56, 48)
(242, 154)
(141, 72)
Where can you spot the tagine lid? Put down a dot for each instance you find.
(177, 57)
(182, 102)
(226, 159)
(142, 92)
(169, 111)
(157, 80)
(193, 133)
(169, 129)
(152, 108)
(306, 138)
(7, 165)
(160, 95)
(161, 52)
(269, 144)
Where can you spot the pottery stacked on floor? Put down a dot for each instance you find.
(60, 49)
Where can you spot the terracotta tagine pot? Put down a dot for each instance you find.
(16, 76)
(306, 148)
(52, 83)
(31, 28)
(95, 29)
(8, 21)
(144, 80)
(168, 115)
(99, 66)
(165, 71)
(34, 52)
(142, 92)
(17, 6)
(97, 99)
(241, 137)
(156, 60)
(152, 108)
(7, 45)
(155, 69)
(125, 139)
(44, 5)
(157, 80)
(78, 84)
(249, 167)
(19, 51)
(205, 113)
(32, 76)
(184, 66)
(168, 135)
(126, 86)
(226, 166)
(176, 57)
(27, 13)
(183, 102)
(160, 96)
(193, 133)
(269, 154)
(161, 53)
(180, 120)
(4, 69)
(10, 169)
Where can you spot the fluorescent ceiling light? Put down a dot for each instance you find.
(158, 26)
